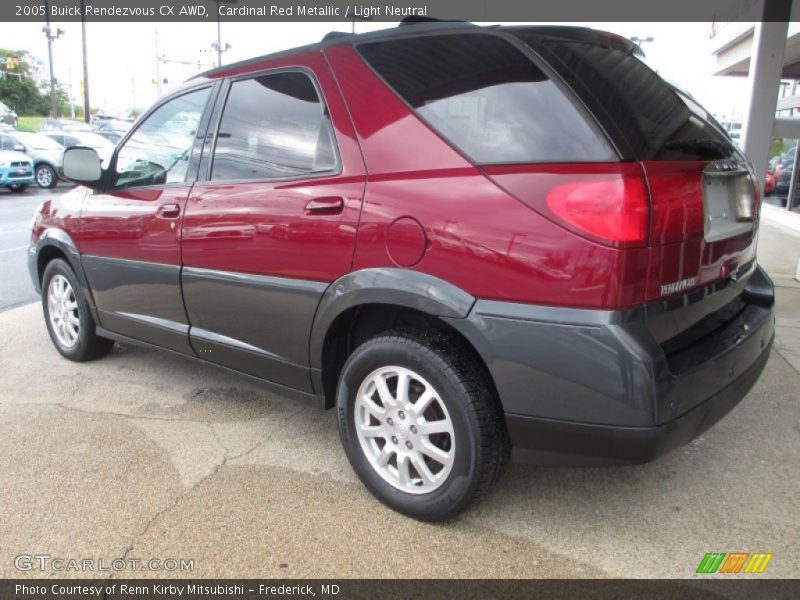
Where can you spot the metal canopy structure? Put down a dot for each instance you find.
(766, 50)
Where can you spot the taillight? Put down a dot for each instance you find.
(605, 202)
(613, 209)
(676, 192)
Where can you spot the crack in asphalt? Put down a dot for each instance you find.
(114, 414)
(179, 497)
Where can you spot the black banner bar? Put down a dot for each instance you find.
(422, 589)
(393, 11)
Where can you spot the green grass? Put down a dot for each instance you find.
(30, 123)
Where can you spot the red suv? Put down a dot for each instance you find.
(464, 239)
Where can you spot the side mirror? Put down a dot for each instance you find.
(82, 166)
(19, 147)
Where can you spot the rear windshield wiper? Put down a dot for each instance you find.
(702, 147)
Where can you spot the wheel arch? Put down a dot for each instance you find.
(56, 243)
(365, 303)
(39, 163)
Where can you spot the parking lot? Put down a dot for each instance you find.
(148, 455)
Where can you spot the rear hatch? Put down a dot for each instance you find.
(703, 200)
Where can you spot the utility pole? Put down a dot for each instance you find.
(48, 32)
(218, 44)
(69, 90)
(87, 116)
(219, 38)
(158, 68)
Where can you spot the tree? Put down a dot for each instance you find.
(24, 89)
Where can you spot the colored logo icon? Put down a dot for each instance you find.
(734, 562)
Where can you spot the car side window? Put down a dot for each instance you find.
(273, 126)
(158, 151)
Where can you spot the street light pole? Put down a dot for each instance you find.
(641, 40)
(219, 38)
(87, 117)
(218, 44)
(48, 32)
(53, 103)
(158, 68)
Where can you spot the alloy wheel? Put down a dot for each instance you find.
(405, 429)
(62, 309)
(44, 176)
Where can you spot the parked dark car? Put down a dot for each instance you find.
(782, 174)
(62, 125)
(463, 239)
(8, 116)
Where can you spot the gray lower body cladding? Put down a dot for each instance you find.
(623, 386)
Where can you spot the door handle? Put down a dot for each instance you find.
(330, 205)
(168, 211)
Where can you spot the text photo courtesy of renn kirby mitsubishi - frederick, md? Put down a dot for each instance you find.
(420, 299)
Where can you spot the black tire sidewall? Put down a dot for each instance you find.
(460, 485)
(81, 348)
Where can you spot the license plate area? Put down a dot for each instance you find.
(721, 192)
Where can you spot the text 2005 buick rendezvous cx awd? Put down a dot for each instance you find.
(463, 239)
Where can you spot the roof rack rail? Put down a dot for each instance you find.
(334, 35)
(416, 19)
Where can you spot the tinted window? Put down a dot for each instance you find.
(647, 117)
(273, 126)
(158, 151)
(487, 98)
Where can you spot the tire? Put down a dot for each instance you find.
(18, 188)
(76, 339)
(472, 441)
(46, 176)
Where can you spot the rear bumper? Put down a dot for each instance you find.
(599, 387)
(548, 441)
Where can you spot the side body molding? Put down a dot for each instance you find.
(399, 287)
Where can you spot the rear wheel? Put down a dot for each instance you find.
(420, 423)
(67, 316)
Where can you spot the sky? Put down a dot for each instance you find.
(122, 56)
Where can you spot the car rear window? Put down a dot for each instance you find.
(487, 99)
(646, 117)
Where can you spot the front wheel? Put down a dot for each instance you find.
(46, 176)
(420, 423)
(67, 316)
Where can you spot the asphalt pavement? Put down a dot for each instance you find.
(15, 218)
(144, 454)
